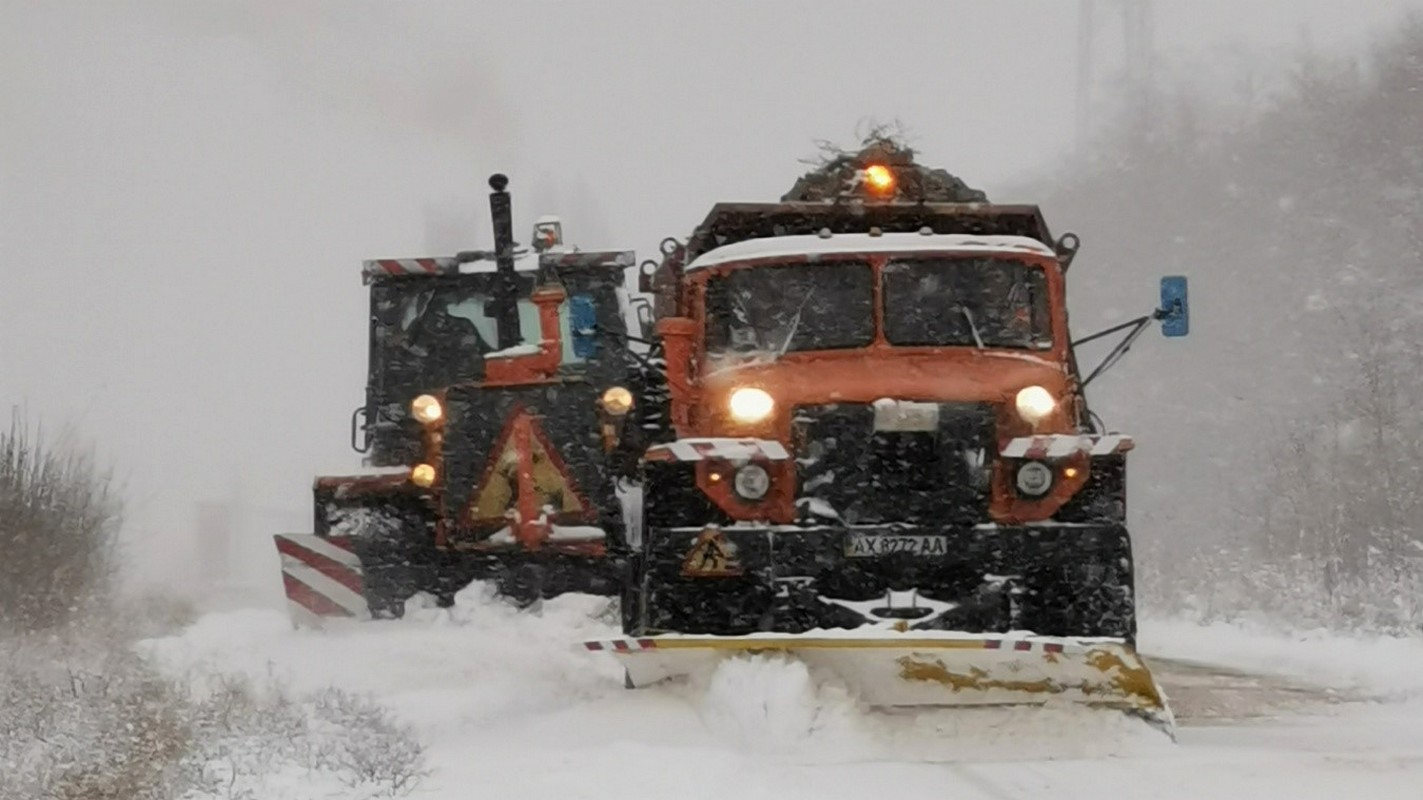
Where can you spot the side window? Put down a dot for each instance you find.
(577, 319)
(583, 319)
(1042, 311)
(473, 308)
(529, 328)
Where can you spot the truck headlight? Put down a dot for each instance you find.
(749, 404)
(1035, 403)
(426, 409)
(752, 482)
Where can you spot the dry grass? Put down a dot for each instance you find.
(83, 717)
(84, 720)
(59, 521)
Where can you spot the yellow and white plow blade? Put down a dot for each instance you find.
(915, 669)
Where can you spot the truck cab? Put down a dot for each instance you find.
(872, 389)
(913, 332)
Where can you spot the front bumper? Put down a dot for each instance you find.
(1050, 579)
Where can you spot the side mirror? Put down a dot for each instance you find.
(645, 274)
(643, 308)
(1175, 311)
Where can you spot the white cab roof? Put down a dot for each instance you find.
(852, 243)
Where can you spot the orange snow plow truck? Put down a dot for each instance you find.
(861, 437)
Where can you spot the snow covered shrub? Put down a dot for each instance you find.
(59, 520)
(365, 746)
(84, 719)
(241, 736)
(81, 725)
(251, 740)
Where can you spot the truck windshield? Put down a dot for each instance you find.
(430, 336)
(778, 309)
(977, 302)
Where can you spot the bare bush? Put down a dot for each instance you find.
(374, 752)
(82, 717)
(87, 726)
(248, 734)
(83, 720)
(59, 519)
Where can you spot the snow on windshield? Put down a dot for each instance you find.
(983, 302)
(763, 312)
(779, 309)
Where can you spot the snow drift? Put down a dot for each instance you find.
(510, 702)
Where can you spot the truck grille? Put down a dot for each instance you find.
(861, 475)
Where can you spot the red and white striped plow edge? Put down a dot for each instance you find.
(322, 578)
(720, 448)
(622, 645)
(1064, 445)
(409, 266)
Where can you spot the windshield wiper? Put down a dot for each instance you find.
(968, 315)
(795, 325)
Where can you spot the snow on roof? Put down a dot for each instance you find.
(852, 243)
(527, 262)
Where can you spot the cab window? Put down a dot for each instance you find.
(971, 302)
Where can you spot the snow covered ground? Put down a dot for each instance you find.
(510, 707)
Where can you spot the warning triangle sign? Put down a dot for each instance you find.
(712, 556)
(552, 484)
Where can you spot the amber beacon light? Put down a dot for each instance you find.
(879, 179)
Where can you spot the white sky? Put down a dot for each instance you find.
(187, 188)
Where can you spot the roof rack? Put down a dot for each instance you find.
(729, 223)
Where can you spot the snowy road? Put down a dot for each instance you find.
(1203, 693)
(509, 709)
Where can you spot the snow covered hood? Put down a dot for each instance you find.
(853, 243)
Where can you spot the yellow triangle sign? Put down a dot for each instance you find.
(499, 491)
(712, 556)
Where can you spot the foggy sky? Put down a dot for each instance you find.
(187, 188)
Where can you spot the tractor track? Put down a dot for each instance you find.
(1200, 693)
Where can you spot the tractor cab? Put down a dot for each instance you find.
(442, 322)
(495, 381)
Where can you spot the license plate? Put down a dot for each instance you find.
(870, 545)
(903, 416)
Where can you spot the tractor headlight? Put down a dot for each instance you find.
(1034, 478)
(1035, 403)
(426, 409)
(422, 475)
(749, 404)
(617, 401)
(752, 482)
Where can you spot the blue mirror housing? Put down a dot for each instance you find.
(583, 320)
(1175, 311)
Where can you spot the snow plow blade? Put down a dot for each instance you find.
(914, 669)
(322, 577)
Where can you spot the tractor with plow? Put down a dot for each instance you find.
(848, 426)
